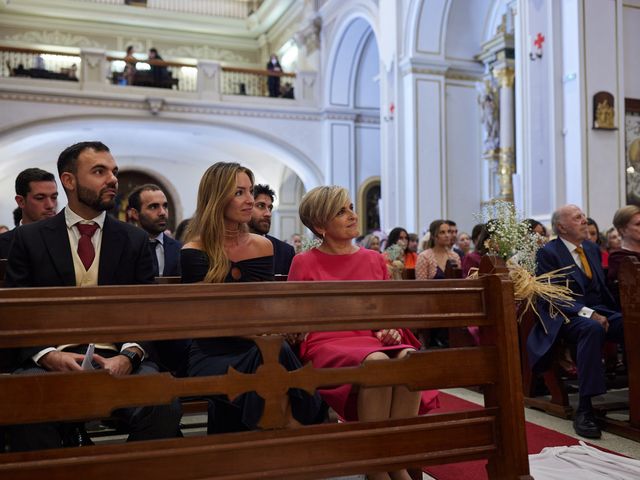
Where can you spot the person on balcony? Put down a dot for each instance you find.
(273, 82)
(159, 73)
(130, 67)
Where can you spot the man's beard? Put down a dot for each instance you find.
(90, 199)
(258, 227)
(150, 226)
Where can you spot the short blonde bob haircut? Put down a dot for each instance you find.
(320, 205)
(623, 216)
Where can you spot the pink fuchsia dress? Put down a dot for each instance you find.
(347, 348)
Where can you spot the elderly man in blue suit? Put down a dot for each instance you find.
(591, 318)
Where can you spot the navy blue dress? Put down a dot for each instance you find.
(214, 356)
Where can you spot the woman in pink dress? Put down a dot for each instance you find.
(328, 213)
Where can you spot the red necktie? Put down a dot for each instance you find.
(86, 252)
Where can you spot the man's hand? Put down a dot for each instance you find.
(118, 365)
(389, 337)
(601, 319)
(55, 361)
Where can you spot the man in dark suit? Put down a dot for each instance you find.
(260, 224)
(589, 319)
(83, 246)
(148, 206)
(37, 198)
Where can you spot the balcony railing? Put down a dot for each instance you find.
(27, 62)
(217, 8)
(154, 73)
(205, 79)
(246, 81)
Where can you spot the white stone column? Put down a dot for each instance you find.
(305, 89)
(94, 68)
(209, 80)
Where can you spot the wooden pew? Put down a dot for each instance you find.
(629, 288)
(558, 403)
(59, 315)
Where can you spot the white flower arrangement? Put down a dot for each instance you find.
(308, 244)
(511, 239)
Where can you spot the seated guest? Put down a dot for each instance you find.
(433, 261)
(592, 316)
(371, 242)
(181, 230)
(220, 249)
(464, 244)
(328, 213)
(260, 224)
(296, 242)
(83, 246)
(473, 259)
(537, 228)
(400, 237)
(37, 198)
(614, 241)
(150, 210)
(627, 222)
(453, 238)
(412, 246)
(596, 237)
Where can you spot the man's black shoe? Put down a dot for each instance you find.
(584, 423)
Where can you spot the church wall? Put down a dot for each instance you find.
(631, 40)
(604, 156)
(463, 167)
(367, 153)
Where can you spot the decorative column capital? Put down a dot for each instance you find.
(505, 76)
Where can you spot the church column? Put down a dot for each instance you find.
(506, 156)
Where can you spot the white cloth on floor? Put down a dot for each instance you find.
(583, 462)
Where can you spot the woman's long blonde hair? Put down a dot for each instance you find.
(216, 189)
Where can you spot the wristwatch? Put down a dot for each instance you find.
(133, 357)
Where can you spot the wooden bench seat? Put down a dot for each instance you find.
(62, 315)
(629, 288)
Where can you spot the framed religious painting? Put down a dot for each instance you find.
(632, 149)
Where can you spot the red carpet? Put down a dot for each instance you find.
(537, 438)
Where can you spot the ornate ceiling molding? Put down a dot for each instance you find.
(55, 37)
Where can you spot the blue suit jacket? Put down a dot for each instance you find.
(283, 254)
(171, 257)
(5, 242)
(553, 256)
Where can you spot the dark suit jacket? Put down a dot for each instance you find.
(41, 257)
(283, 254)
(171, 257)
(553, 256)
(5, 243)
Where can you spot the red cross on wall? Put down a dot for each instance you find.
(539, 41)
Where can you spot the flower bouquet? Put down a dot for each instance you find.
(511, 239)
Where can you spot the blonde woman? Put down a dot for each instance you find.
(220, 249)
(328, 213)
